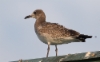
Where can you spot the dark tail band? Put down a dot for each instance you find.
(82, 37)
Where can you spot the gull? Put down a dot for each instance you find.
(54, 33)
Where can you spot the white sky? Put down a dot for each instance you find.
(19, 41)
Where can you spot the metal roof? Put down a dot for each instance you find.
(68, 58)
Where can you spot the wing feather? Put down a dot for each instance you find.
(56, 30)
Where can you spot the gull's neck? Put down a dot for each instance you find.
(39, 21)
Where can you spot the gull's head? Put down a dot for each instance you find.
(36, 14)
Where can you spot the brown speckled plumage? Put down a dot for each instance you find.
(53, 33)
(57, 30)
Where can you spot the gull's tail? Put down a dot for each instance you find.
(82, 37)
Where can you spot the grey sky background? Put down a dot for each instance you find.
(19, 41)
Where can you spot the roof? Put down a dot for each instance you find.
(77, 57)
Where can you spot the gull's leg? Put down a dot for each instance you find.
(56, 50)
(48, 49)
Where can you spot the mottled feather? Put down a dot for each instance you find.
(56, 33)
(56, 30)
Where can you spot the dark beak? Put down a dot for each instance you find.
(28, 16)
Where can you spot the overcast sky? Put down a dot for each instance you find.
(19, 41)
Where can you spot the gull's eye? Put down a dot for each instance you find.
(34, 12)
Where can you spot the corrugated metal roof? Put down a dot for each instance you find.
(69, 57)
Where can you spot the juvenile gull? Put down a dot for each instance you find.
(53, 33)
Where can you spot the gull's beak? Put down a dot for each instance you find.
(29, 16)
